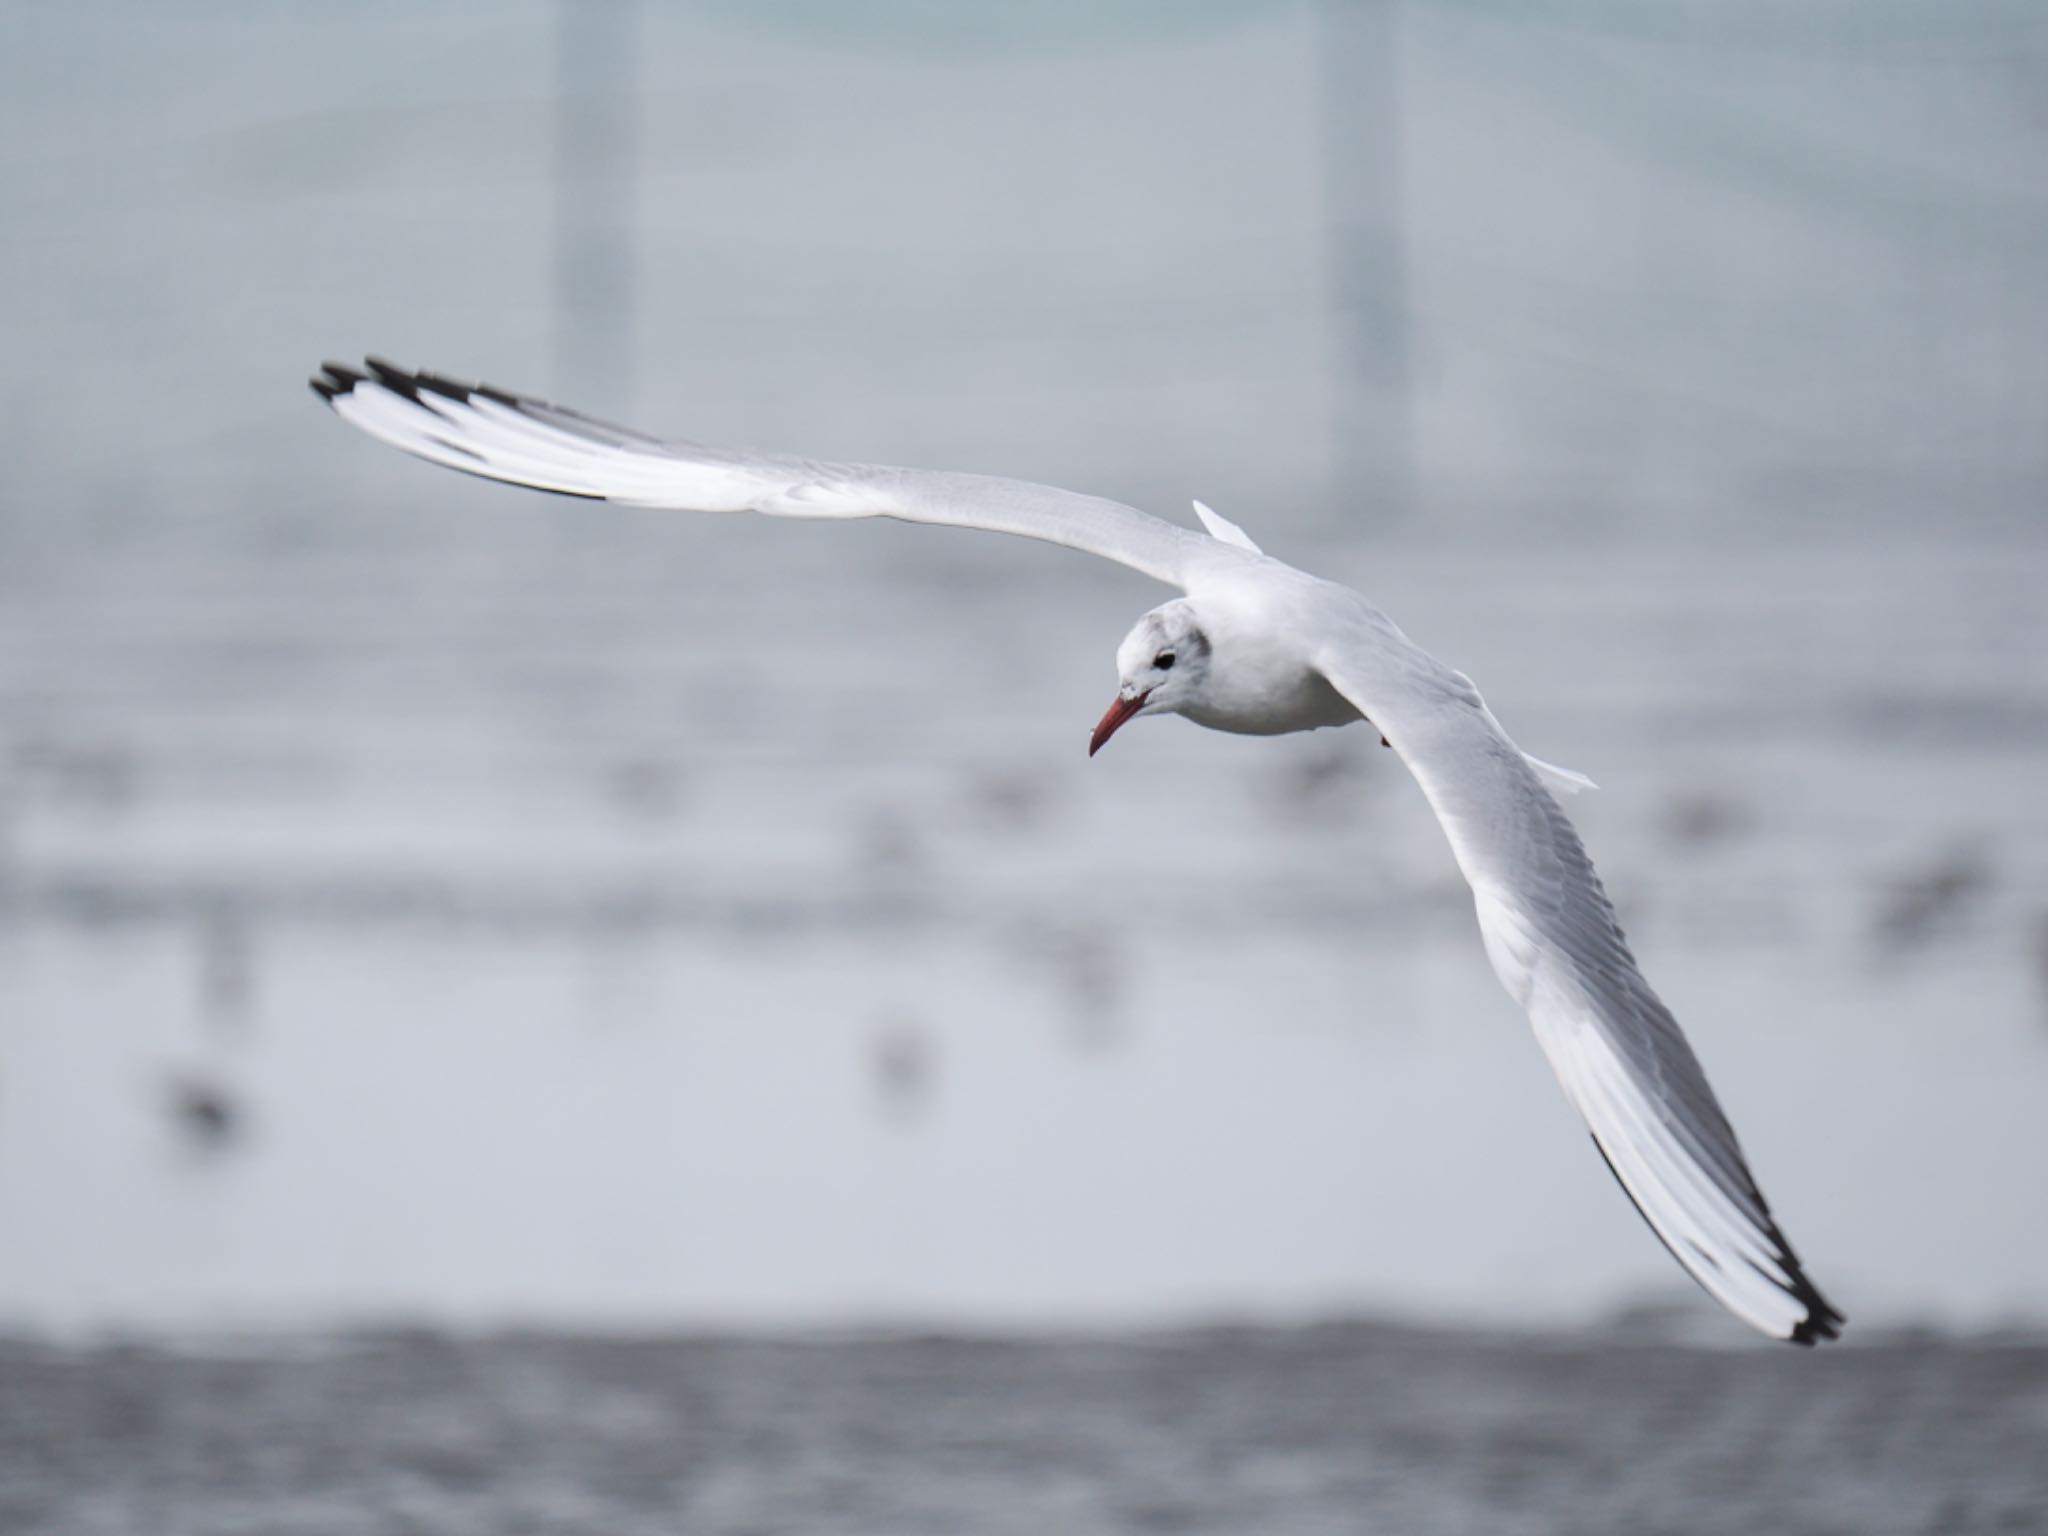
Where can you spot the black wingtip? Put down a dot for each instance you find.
(333, 381)
(445, 387)
(337, 379)
(394, 378)
(1822, 1321)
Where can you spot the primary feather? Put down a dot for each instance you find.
(1551, 935)
(515, 438)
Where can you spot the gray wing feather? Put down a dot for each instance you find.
(1551, 934)
(517, 439)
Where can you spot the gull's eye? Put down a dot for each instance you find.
(1163, 661)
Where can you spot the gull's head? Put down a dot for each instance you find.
(1160, 668)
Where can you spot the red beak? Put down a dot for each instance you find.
(1118, 713)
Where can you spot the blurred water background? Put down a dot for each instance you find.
(425, 903)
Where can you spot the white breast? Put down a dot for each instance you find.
(1260, 682)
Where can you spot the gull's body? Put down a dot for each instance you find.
(1260, 648)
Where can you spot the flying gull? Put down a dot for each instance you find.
(1260, 648)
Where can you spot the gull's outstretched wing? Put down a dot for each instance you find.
(523, 441)
(1551, 935)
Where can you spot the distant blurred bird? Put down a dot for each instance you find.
(1259, 648)
(901, 1059)
(205, 1112)
(1933, 900)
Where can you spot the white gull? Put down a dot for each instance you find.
(1257, 647)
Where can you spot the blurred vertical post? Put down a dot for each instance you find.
(596, 102)
(1359, 106)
